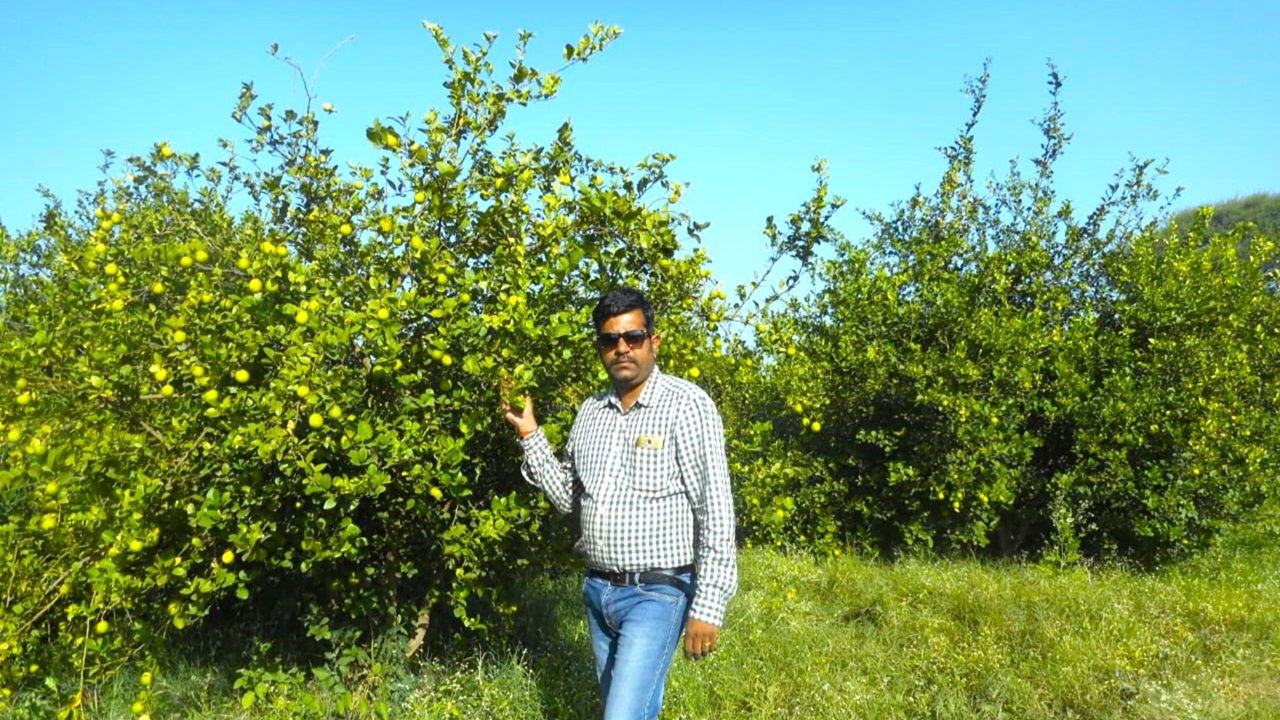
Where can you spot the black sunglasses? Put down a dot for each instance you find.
(634, 338)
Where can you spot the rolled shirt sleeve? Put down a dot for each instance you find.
(705, 470)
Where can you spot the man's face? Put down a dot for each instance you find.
(628, 365)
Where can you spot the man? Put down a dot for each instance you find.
(645, 467)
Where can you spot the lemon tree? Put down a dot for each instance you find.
(271, 380)
(992, 370)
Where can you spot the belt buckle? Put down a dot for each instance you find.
(621, 579)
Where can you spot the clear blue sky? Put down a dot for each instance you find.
(746, 95)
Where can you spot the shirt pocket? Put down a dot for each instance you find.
(650, 472)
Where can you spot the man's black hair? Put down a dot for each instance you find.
(622, 300)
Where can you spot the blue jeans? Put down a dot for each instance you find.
(634, 632)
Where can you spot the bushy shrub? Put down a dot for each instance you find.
(268, 384)
(988, 370)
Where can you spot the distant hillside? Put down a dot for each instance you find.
(1260, 208)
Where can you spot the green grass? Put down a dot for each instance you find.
(848, 637)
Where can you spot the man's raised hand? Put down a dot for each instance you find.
(521, 418)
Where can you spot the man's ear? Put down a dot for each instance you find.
(656, 339)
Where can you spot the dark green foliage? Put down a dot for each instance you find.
(991, 371)
(1261, 209)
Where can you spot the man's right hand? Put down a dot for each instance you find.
(521, 418)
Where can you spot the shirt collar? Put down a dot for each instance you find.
(649, 394)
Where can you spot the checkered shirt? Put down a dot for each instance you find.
(651, 484)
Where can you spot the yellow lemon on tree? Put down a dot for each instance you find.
(197, 370)
(282, 251)
(302, 391)
(179, 336)
(157, 288)
(315, 420)
(24, 398)
(242, 376)
(167, 390)
(145, 679)
(185, 261)
(383, 313)
(135, 545)
(210, 396)
(117, 304)
(49, 521)
(243, 263)
(416, 243)
(345, 228)
(166, 151)
(160, 374)
(335, 412)
(14, 435)
(111, 268)
(695, 373)
(301, 317)
(102, 627)
(385, 225)
(202, 256)
(228, 557)
(436, 493)
(419, 197)
(255, 285)
(815, 426)
(446, 360)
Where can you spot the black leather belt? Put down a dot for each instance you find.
(662, 576)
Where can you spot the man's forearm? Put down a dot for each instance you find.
(542, 469)
(717, 568)
(717, 551)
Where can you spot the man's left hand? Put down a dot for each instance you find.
(699, 638)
